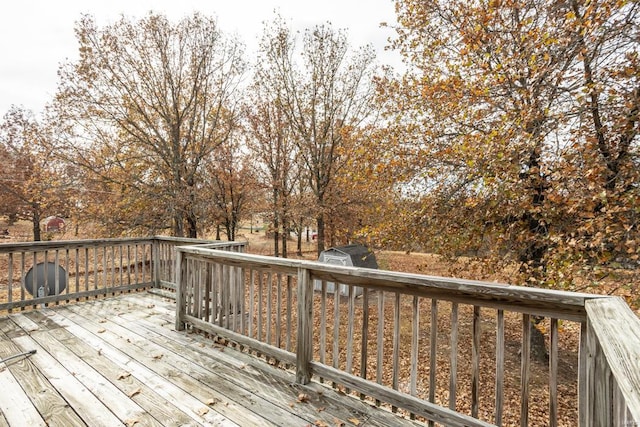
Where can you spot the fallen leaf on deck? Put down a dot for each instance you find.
(303, 398)
(211, 401)
(203, 411)
(101, 330)
(158, 356)
(103, 321)
(319, 423)
(354, 421)
(124, 375)
(151, 305)
(135, 392)
(131, 422)
(320, 409)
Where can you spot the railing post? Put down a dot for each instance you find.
(585, 376)
(304, 351)
(155, 260)
(181, 289)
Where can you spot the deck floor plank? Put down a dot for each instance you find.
(194, 408)
(202, 382)
(84, 402)
(22, 381)
(127, 411)
(119, 361)
(3, 420)
(278, 388)
(161, 322)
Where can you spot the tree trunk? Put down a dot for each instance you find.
(285, 236)
(178, 228)
(299, 240)
(229, 227)
(35, 218)
(320, 223)
(192, 223)
(538, 349)
(276, 236)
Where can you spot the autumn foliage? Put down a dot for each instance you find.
(519, 123)
(510, 133)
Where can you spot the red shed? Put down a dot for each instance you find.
(53, 224)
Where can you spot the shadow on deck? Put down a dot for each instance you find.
(119, 361)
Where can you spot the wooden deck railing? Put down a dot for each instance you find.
(165, 254)
(81, 269)
(612, 368)
(418, 343)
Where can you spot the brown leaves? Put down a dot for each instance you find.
(303, 398)
(135, 392)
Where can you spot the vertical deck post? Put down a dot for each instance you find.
(304, 352)
(180, 291)
(155, 261)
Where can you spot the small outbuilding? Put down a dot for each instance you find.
(54, 224)
(349, 255)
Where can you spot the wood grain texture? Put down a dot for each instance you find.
(614, 344)
(541, 302)
(119, 361)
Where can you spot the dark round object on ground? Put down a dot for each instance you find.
(46, 281)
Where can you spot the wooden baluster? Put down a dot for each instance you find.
(475, 362)
(524, 370)
(453, 376)
(499, 367)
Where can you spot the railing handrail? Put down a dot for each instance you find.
(81, 243)
(560, 304)
(68, 244)
(613, 332)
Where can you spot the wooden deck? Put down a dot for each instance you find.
(118, 361)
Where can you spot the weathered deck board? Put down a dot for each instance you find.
(118, 361)
(27, 385)
(249, 372)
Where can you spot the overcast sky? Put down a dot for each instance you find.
(37, 35)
